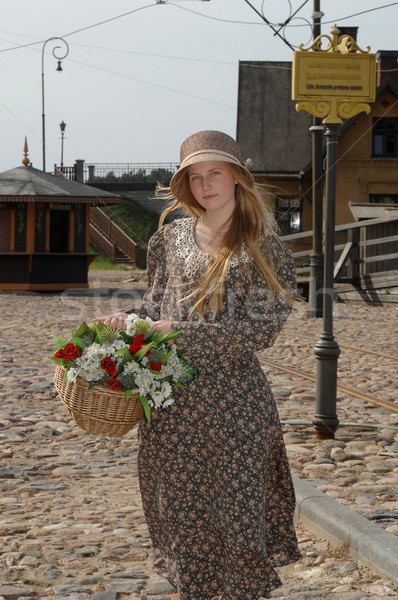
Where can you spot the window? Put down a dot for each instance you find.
(384, 138)
(5, 226)
(288, 214)
(383, 198)
(59, 228)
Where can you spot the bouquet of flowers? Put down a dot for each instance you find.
(137, 360)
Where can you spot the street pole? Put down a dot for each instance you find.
(337, 72)
(316, 257)
(62, 126)
(327, 350)
(59, 68)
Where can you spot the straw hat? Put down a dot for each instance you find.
(205, 146)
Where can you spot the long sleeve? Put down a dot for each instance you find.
(257, 329)
(156, 275)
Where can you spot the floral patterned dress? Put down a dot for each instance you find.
(214, 477)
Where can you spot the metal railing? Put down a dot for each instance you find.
(119, 172)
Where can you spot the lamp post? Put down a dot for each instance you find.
(59, 56)
(62, 126)
(344, 87)
(315, 304)
(327, 350)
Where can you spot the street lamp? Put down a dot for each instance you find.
(64, 53)
(62, 127)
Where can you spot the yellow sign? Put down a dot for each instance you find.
(334, 76)
(335, 83)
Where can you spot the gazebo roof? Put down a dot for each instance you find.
(26, 184)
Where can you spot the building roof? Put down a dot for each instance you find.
(26, 184)
(269, 130)
(366, 210)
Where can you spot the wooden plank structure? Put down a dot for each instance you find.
(45, 229)
(113, 242)
(366, 259)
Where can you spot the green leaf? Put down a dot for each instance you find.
(59, 361)
(169, 336)
(179, 385)
(127, 338)
(127, 393)
(60, 341)
(188, 370)
(122, 351)
(98, 333)
(77, 341)
(84, 328)
(141, 353)
(147, 408)
(166, 357)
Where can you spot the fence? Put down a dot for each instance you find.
(114, 238)
(364, 248)
(119, 172)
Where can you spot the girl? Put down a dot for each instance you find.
(214, 477)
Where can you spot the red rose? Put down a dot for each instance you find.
(109, 366)
(155, 366)
(114, 384)
(70, 352)
(138, 343)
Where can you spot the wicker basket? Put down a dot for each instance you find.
(98, 410)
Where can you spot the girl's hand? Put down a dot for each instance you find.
(163, 326)
(117, 321)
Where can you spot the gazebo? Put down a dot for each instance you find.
(45, 229)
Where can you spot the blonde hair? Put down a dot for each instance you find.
(251, 220)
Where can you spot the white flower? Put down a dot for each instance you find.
(157, 398)
(134, 325)
(167, 402)
(72, 375)
(132, 367)
(166, 389)
(131, 317)
(173, 366)
(95, 350)
(145, 382)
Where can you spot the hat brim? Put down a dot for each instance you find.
(204, 156)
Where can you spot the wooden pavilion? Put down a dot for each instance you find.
(44, 229)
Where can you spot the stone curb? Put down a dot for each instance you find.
(107, 292)
(342, 527)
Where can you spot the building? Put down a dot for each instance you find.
(277, 138)
(44, 229)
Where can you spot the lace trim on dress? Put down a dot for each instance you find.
(189, 251)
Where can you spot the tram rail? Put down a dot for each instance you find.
(350, 347)
(342, 388)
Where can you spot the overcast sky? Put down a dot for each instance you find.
(133, 88)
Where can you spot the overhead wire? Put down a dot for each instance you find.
(82, 28)
(269, 25)
(163, 87)
(292, 14)
(363, 12)
(232, 21)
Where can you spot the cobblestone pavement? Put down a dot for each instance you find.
(71, 521)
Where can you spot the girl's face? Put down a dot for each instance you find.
(213, 186)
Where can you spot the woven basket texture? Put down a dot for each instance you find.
(99, 410)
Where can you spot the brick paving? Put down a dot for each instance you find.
(71, 521)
